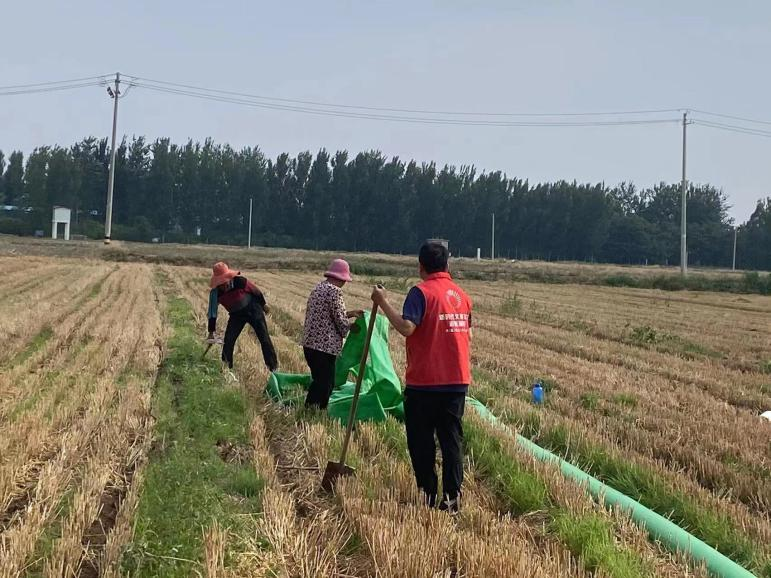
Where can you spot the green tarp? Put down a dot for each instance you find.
(381, 392)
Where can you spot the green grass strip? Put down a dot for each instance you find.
(520, 490)
(589, 537)
(36, 344)
(187, 483)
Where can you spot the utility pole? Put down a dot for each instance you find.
(733, 266)
(492, 241)
(683, 243)
(249, 246)
(114, 94)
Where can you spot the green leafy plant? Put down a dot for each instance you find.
(589, 400)
(511, 305)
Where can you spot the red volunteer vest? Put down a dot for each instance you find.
(438, 351)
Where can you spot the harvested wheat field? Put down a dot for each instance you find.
(125, 453)
(82, 346)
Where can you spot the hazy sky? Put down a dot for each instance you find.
(499, 56)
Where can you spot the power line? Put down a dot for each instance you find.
(732, 117)
(405, 115)
(43, 89)
(732, 128)
(99, 77)
(372, 116)
(128, 88)
(401, 110)
(395, 118)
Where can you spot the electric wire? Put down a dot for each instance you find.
(44, 89)
(732, 117)
(400, 110)
(125, 92)
(397, 118)
(401, 115)
(52, 82)
(732, 128)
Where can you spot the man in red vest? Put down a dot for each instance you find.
(436, 320)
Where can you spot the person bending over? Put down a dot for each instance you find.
(245, 304)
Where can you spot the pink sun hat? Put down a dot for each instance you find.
(340, 270)
(221, 273)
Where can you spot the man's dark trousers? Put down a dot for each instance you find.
(427, 412)
(254, 315)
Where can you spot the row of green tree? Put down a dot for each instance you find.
(200, 192)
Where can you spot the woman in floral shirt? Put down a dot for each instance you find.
(326, 325)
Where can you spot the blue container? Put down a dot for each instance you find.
(538, 393)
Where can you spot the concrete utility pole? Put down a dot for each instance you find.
(733, 266)
(249, 245)
(114, 94)
(492, 241)
(683, 243)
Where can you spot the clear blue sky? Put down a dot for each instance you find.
(511, 56)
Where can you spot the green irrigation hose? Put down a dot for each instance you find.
(658, 527)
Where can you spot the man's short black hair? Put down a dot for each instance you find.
(434, 257)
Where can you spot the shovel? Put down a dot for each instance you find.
(339, 469)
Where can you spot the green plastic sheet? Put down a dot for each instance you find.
(288, 388)
(381, 391)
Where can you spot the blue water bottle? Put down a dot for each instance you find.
(538, 393)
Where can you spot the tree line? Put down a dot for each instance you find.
(200, 192)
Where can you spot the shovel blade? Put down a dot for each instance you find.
(334, 471)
